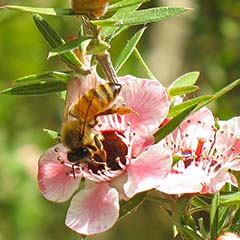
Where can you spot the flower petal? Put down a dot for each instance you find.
(189, 181)
(145, 171)
(53, 181)
(93, 210)
(199, 125)
(148, 98)
(228, 141)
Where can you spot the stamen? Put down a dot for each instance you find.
(199, 149)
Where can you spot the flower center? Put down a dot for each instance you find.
(115, 150)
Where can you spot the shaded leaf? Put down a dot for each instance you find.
(68, 46)
(141, 16)
(38, 77)
(126, 207)
(54, 40)
(128, 49)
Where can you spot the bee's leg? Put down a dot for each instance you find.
(118, 110)
(101, 151)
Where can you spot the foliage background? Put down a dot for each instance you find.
(206, 39)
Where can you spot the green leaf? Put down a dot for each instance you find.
(124, 3)
(128, 49)
(113, 31)
(230, 198)
(36, 88)
(220, 93)
(186, 80)
(126, 207)
(141, 16)
(68, 46)
(186, 230)
(54, 40)
(144, 66)
(223, 216)
(174, 110)
(38, 77)
(53, 134)
(235, 226)
(180, 90)
(214, 215)
(47, 11)
(97, 47)
(172, 124)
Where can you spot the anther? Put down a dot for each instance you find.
(56, 149)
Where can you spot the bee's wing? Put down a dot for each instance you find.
(77, 87)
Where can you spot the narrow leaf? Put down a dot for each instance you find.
(214, 215)
(172, 124)
(46, 11)
(38, 88)
(68, 46)
(235, 226)
(145, 68)
(141, 16)
(180, 90)
(126, 207)
(124, 3)
(54, 40)
(220, 93)
(113, 31)
(186, 230)
(38, 77)
(174, 110)
(186, 79)
(128, 49)
(230, 199)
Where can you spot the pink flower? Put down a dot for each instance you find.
(204, 154)
(228, 236)
(133, 164)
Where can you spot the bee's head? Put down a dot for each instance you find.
(79, 155)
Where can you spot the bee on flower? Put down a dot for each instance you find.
(132, 164)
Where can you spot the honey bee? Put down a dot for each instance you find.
(77, 134)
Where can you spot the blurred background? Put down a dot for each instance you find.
(206, 39)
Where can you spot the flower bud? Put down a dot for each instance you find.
(92, 8)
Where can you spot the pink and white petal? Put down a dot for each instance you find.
(199, 125)
(147, 169)
(148, 98)
(228, 139)
(140, 143)
(118, 184)
(53, 181)
(215, 183)
(189, 181)
(93, 210)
